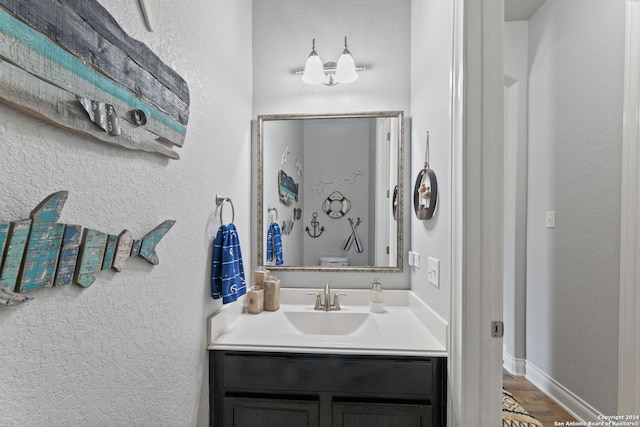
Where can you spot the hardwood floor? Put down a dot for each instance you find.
(534, 401)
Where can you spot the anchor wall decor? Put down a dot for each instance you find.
(315, 224)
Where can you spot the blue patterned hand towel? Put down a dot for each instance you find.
(274, 243)
(227, 270)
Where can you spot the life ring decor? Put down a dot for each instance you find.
(425, 194)
(336, 205)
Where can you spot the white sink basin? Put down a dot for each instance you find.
(407, 327)
(333, 323)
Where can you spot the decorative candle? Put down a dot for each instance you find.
(260, 276)
(255, 300)
(271, 294)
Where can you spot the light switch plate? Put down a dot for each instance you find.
(550, 219)
(414, 259)
(434, 272)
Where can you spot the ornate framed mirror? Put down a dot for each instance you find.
(356, 155)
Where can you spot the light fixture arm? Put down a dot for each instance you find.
(313, 48)
(345, 51)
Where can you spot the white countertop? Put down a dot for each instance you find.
(407, 327)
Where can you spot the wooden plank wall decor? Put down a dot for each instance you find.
(57, 54)
(109, 252)
(39, 252)
(45, 240)
(12, 260)
(123, 250)
(4, 231)
(91, 257)
(68, 255)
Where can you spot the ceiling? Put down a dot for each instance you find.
(520, 10)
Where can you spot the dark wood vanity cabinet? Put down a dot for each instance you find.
(254, 389)
(270, 411)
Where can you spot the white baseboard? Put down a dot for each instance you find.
(573, 404)
(514, 365)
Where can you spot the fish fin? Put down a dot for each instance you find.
(151, 239)
(12, 298)
(146, 14)
(49, 209)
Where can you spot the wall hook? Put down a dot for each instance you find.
(273, 214)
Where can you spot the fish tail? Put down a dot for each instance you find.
(151, 239)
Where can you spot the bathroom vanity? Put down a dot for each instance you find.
(302, 367)
(301, 389)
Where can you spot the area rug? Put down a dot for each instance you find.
(514, 415)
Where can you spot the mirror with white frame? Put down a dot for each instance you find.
(330, 191)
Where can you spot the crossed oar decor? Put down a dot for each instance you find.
(353, 237)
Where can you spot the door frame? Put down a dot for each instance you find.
(629, 339)
(475, 358)
(475, 376)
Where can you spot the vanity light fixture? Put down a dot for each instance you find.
(330, 73)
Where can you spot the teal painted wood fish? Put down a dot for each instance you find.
(39, 252)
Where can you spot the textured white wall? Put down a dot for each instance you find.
(576, 57)
(130, 350)
(431, 59)
(379, 38)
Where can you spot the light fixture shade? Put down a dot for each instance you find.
(346, 68)
(313, 69)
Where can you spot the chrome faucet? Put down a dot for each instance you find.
(326, 304)
(327, 297)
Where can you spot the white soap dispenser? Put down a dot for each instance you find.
(376, 299)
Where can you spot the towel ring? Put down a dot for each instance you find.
(219, 202)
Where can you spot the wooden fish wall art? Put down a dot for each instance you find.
(38, 252)
(58, 56)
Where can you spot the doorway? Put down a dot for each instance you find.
(473, 152)
(573, 274)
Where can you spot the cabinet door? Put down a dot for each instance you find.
(249, 412)
(381, 415)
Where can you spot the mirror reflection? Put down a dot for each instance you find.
(330, 191)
